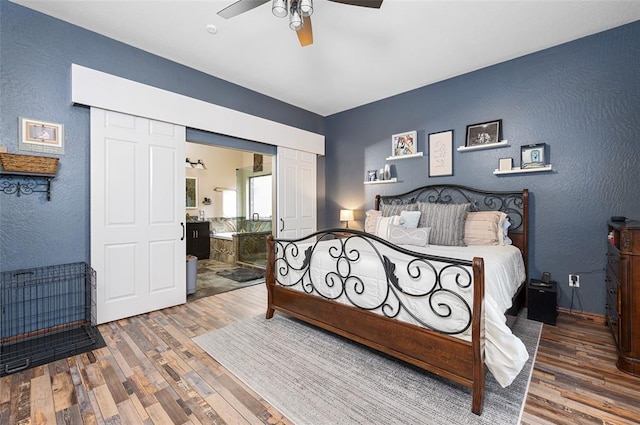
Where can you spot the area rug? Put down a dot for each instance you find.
(315, 378)
(241, 274)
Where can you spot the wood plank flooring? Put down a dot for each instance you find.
(152, 373)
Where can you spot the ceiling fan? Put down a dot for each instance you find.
(299, 12)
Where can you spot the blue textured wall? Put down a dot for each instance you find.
(581, 98)
(36, 53)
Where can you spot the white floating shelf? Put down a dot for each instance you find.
(413, 155)
(526, 170)
(500, 144)
(393, 180)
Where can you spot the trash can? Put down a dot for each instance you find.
(192, 273)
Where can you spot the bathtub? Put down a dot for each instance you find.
(227, 236)
(240, 247)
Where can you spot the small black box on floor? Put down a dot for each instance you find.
(542, 301)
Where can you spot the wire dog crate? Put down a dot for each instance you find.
(47, 314)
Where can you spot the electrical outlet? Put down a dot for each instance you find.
(574, 280)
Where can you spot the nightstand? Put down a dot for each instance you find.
(542, 301)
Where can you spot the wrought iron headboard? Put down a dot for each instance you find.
(514, 203)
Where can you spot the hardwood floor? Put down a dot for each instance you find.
(575, 380)
(152, 373)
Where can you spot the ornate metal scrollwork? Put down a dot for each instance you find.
(510, 203)
(21, 184)
(369, 273)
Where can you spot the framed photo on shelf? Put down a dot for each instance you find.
(372, 175)
(40, 136)
(505, 164)
(485, 133)
(441, 154)
(404, 143)
(533, 156)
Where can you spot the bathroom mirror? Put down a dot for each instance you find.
(191, 185)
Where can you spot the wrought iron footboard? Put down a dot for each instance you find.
(367, 272)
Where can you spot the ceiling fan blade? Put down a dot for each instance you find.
(240, 7)
(363, 3)
(305, 35)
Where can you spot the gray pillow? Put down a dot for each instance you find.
(401, 235)
(394, 209)
(446, 222)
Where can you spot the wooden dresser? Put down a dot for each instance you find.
(623, 292)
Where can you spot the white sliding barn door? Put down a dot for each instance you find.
(296, 193)
(137, 210)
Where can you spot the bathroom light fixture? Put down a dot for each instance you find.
(346, 216)
(199, 165)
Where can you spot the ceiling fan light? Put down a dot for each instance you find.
(295, 20)
(306, 7)
(279, 8)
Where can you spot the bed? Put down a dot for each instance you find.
(438, 305)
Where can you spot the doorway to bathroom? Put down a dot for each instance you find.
(233, 193)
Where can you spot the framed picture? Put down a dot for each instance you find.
(404, 143)
(441, 154)
(505, 164)
(191, 193)
(484, 133)
(372, 175)
(257, 162)
(533, 156)
(40, 136)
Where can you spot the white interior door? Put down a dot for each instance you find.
(296, 193)
(137, 210)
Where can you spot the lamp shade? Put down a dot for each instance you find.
(295, 20)
(306, 7)
(346, 215)
(188, 164)
(279, 8)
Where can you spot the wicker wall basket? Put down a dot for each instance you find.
(28, 163)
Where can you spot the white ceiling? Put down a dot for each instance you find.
(359, 54)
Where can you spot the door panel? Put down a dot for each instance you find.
(296, 193)
(137, 205)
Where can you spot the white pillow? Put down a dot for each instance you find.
(402, 235)
(411, 218)
(382, 228)
(506, 240)
(371, 221)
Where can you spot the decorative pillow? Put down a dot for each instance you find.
(394, 209)
(506, 240)
(411, 218)
(371, 221)
(484, 228)
(382, 228)
(402, 235)
(446, 222)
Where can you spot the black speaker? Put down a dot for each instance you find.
(542, 301)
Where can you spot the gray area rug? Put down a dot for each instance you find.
(241, 274)
(315, 378)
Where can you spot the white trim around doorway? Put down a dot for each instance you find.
(98, 89)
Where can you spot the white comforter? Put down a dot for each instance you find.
(505, 354)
